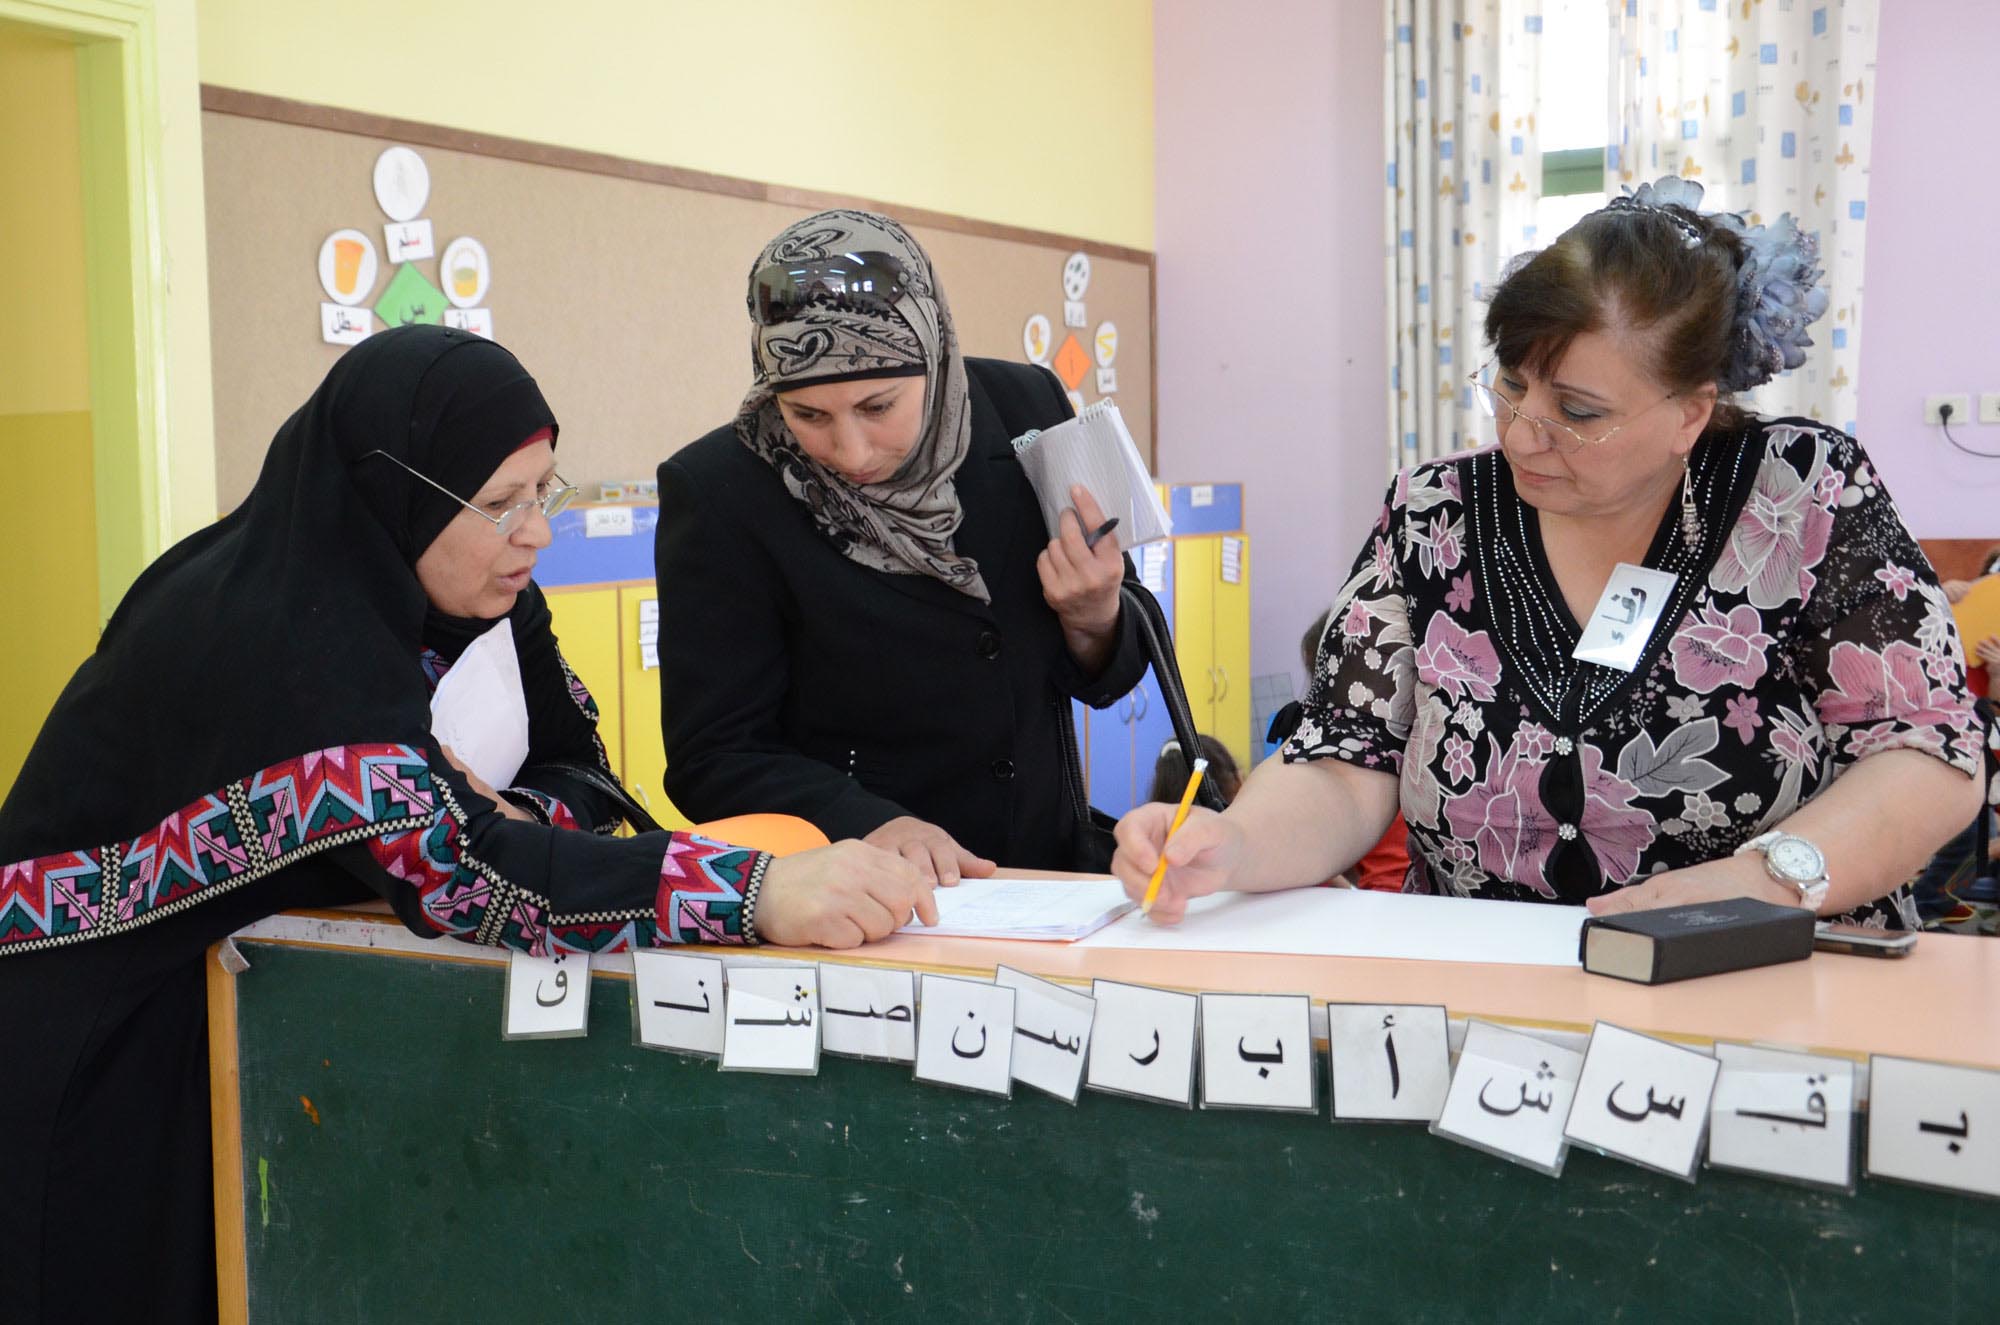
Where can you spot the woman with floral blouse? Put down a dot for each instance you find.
(1794, 727)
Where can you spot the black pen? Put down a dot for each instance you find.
(1091, 539)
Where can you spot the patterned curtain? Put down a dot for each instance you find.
(1769, 105)
(1464, 174)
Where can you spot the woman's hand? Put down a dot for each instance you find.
(1710, 881)
(1955, 589)
(1988, 651)
(506, 807)
(1200, 859)
(1080, 584)
(937, 856)
(840, 896)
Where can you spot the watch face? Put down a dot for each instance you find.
(1796, 859)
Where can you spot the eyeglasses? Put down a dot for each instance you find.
(865, 282)
(1553, 433)
(509, 520)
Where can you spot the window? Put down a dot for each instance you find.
(1575, 112)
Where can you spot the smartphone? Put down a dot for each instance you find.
(1861, 941)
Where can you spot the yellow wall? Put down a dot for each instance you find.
(48, 549)
(1036, 113)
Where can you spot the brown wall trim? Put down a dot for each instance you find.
(256, 105)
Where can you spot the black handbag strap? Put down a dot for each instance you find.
(600, 781)
(1158, 640)
(1982, 868)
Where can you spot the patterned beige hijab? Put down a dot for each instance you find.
(905, 524)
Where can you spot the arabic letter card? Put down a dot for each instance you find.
(677, 1003)
(1934, 1124)
(1387, 1062)
(548, 998)
(1257, 1052)
(1643, 1100)
(1051, 1033)
(965, 1035)
(1783, 1115)
(1510, 1095)
(1143, 1042)
(773, 1014)
(869, 1013)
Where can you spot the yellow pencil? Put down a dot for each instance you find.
(1180, 817)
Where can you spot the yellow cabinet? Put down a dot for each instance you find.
(1212, 635)
(586, 628)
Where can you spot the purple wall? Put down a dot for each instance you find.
(1268, 176)
(1931, 317)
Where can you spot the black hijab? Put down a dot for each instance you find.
(295, 623)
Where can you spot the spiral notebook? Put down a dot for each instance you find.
(1094, 450)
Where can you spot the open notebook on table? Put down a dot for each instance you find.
(1047, 909)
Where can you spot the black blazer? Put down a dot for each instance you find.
(795, 681)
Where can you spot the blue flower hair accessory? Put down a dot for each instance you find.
(1777, 279)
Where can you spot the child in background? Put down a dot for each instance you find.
(1172, 771)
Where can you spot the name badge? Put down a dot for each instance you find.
(1624, 618)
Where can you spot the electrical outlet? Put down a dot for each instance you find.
(1989, 407)
(1961, 408)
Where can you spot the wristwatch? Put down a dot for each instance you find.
(1794, 862)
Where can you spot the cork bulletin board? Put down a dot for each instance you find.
(619, 284)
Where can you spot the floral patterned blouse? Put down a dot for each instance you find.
(1805, 631)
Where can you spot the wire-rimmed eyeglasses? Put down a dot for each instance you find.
(1553, 432)
(508, 520)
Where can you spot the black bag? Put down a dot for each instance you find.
(1093, 827)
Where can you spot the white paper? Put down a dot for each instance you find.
(773, 1016)
(465, 272)
(1051, 1033)
(1143, 1042)
(1232, 560)
(965, 1037)
(1257, 1052)
(402, 183)
(868, 1013)
(1510, 1095)
(1390, 1061)
(347, 266)
(341, 325)
(649, 609)
(1201, 494)
(1783, 1114)
(480, 711)
(407, 241)
(677, 1000)
(1352, 922)
(1643, 1100)
(1107, 381)
(1625, 616)
(1152, 561)
(1076, 275)
(478, 321)
(1934, 1124)
(607, 522)
(1074, 314)
(1046, 909)
(649, 655)
(649, 632)
(548, 998)
(1096, 451)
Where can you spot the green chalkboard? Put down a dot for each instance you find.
(442, 1174)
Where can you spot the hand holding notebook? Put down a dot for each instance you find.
(1095, 451)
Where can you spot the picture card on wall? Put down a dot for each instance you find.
(402, 183)
(677, 1002)
(773, 1016)
(1143, 1042)
(548, 998)
(965, 1037)
(1389, 1062)
(407, 241)
(478, 321)
(1257, 1052)
(1051, 1033)
(341, 325)
(347, 266)
(869, 1013)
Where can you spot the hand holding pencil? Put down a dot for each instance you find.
(1170, 854)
